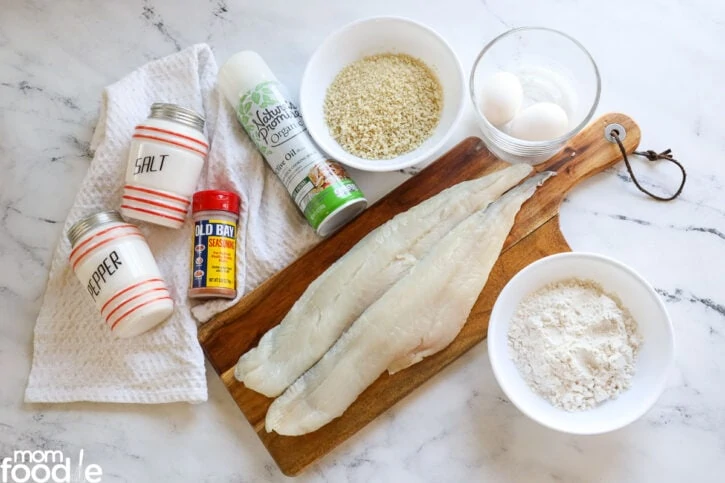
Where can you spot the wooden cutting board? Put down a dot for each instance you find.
(535, 235)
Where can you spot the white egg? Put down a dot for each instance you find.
(501, 98)
(542, 121)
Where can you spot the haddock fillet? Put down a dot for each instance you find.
(341, 293)
(420, 315)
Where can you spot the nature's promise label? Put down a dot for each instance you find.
(318, 186)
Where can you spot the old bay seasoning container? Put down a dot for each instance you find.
(320, 187)
(214, 247)
(165, 159)
(113, 262)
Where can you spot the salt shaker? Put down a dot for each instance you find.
(113, 262)
(165, 159)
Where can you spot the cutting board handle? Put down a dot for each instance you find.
(589, 153)
(585, 155)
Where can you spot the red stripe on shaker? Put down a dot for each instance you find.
(100, 233)
(135, 297)
(166, 131)
(154, 203)
(152, 212)
(157, 193)
(99, 244)
(118, 294)
(167, 141)
(136, 308)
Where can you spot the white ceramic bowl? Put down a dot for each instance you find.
(654, 362)
(375, 36)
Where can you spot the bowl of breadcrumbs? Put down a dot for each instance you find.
(382, 94)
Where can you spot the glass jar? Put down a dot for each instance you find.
(165, 159)
(113, 261)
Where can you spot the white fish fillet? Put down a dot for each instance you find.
(420, 315)
(340, 294)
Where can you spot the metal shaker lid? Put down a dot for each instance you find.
(84, 225)
(172, 112)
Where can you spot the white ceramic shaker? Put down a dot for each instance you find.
(113, 262)
(165, 159)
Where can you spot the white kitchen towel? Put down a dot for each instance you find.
(75, 356)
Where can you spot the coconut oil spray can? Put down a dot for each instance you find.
(319, 186)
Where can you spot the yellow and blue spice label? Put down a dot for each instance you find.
(213, 258)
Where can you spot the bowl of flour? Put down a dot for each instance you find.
(580, 343)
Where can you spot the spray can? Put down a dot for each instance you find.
(320, 187)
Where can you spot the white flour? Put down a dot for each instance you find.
(574, 344)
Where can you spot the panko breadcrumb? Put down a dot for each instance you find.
(384, 105)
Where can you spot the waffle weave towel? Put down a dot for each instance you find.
(75, 356)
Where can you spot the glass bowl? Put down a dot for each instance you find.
(553, 67)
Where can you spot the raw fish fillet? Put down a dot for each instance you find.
(341, 293)
(420, 315)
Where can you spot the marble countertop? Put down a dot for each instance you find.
(661, 61)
